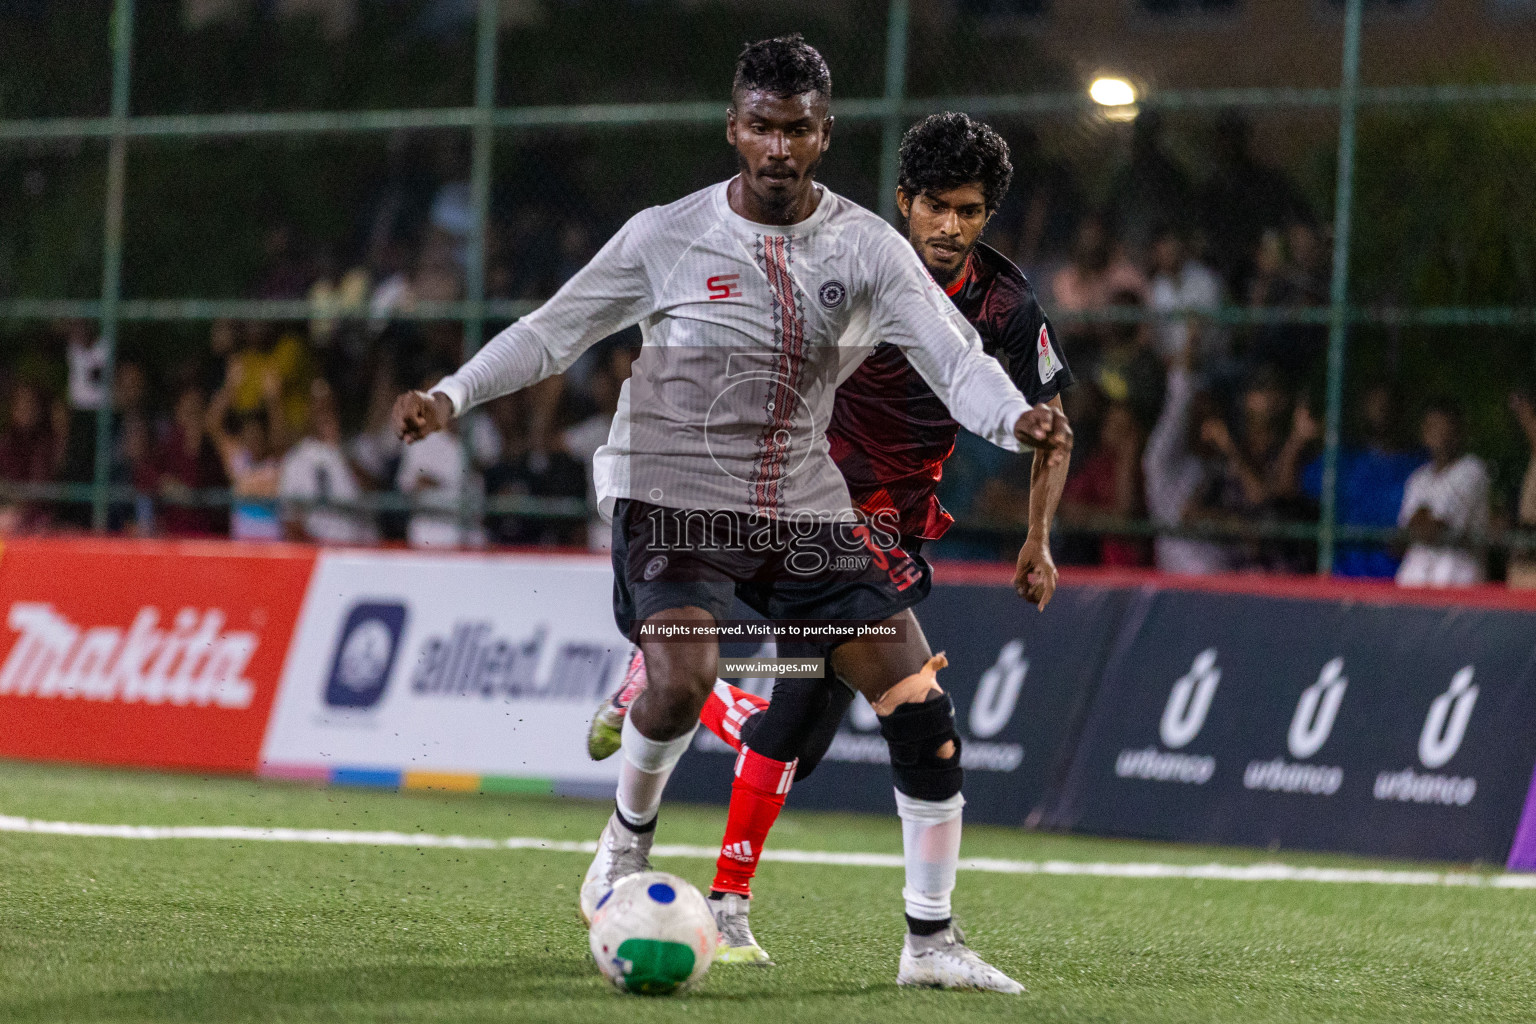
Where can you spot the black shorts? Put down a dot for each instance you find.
(805, 569)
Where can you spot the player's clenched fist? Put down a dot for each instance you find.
(1035, 576)
(417, 414)
(1045, 427)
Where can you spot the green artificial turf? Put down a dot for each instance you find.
(204, 930)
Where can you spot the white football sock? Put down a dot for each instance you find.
(644, 771)
(930, 841)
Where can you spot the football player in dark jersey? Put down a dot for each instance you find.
(890, 436)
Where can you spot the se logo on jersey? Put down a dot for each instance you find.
(724, 286)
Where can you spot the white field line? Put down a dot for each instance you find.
(1265, 872)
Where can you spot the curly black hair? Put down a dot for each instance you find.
(783, 66)
(945, 151)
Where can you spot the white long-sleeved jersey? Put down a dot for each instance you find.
(748, 329)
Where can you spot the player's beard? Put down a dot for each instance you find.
(904, 225)
(946, 277)
(778, 203)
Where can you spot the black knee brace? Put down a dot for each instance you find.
(916, 733)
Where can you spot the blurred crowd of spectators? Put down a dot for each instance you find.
(1182, 419)
(1199, 425)
(303, 445)
(292, 416)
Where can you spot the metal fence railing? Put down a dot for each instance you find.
(888, 112)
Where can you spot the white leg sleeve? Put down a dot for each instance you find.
(930, 834)
(644, 772)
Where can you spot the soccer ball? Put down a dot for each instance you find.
(653, 934)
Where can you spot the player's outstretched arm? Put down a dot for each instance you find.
(911, 312)
(1035, 575)
(610, 293)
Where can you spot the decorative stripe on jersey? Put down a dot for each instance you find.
(775, 255)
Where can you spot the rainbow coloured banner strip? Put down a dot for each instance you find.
(390, 778)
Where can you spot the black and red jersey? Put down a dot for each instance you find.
(890, 434)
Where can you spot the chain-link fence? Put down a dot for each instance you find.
(168, 185)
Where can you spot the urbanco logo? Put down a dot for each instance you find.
(1317, 710)
(1183, 717)
(998, 692)
(1445, 728)
(1446, 724)
(1189, 701)
(991, 710)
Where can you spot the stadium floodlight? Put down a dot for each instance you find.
(1112, 92)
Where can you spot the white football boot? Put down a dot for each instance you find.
(620, 853)
(736, 945)
(943, 960)
(603, 735)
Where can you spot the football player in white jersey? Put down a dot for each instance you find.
(890, 437)
(755, 298)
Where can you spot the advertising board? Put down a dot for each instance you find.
(1399, 730)
(159, 654)
(447, 669)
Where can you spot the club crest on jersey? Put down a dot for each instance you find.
(655, 567)
(832, 294)
(1046, 362)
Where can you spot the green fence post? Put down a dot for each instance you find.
(1338, 293)
(895, 94)
(482, 140)
(112, 252)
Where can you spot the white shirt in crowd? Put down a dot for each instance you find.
(1458, 497)
(1195, 287)
(485, 442)
(390, 295)
(439, 458)
(374, 450)
(748, 330)
(1174, 476)
(316, 471)
(87, 375)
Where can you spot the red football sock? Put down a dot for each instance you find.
(728, 709)
(757, 796)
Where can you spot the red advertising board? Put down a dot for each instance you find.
(160, 654)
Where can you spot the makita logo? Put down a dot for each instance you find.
(195, 662)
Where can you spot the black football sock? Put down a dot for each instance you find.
(917, 926)
(639, 830)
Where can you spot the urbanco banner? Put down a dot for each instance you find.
(462, 664)
(1376, 728)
